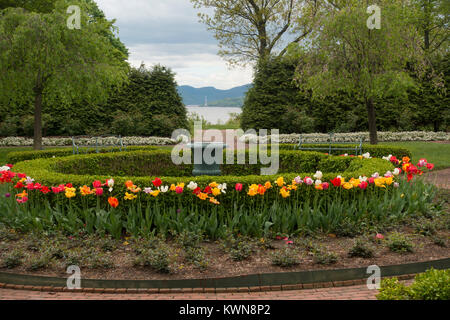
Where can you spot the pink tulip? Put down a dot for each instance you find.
(239, 187)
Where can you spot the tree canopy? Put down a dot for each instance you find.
(252, 30)
(42, 60)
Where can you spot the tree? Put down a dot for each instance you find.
(41, 58)
(274, 101)
(149, 104)
(347, 55)
(252, 30)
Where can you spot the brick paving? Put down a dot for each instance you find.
(358, 292)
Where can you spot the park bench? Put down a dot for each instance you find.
(330, 145)
(107, 143)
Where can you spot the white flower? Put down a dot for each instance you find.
(5, 168)
(396, 171)
(164, 189)
(110, 183)
(309, 181)
(388, 174)
(298, 180)
(148, 190)
(318, 175)
(376, 175)
(318, 182)
(362, 178)
(223, 187)
(396, 184)
(29, 180)
(192, 185)
(388, 158)
(366, 155)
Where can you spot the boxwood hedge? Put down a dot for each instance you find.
(19, 156)
(143, 166)
(376, 151)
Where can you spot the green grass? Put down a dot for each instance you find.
(436, 153)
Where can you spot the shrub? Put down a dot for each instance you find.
(158, 259)
(431, 285)
(286, 257)
(361, 249)
(399, 243)
(426, 228)
(324, 257)
(196, 256)
(241, 251)
(40, 262)
(189, 239)
(13, 259)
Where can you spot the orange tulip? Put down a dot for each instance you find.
(113, 202)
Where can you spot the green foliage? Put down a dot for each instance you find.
(13, 259)
(307, 211)
(376, 151)
(19, 156)
(149, 105)
(196, 256)
(286, 257)
(50, 57)
(139, 165)
(274, 101)
(400, 243)
(189, 239)
(158, 259)
(321, 256)
(361, 249)
(431, 285)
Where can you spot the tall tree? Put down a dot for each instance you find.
(252, 30)
(40, 57)
(347, 55)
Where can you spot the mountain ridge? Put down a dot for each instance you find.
(196, 96)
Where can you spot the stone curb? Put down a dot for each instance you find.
(163, 291)
(283, 281)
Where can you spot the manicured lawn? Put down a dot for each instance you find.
(437, 153)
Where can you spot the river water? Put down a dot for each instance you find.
(214, 115)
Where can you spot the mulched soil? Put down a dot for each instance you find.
(221, 264)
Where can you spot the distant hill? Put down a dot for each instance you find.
(196, 96)
(228, 102)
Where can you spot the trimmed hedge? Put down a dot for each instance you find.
(375, 151)
(141, 166)
(19, 156)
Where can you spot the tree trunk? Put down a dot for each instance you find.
(37, 143)
(372, 121)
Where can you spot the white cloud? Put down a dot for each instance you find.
(194, 64)
(168, 32)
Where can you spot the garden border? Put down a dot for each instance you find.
(248, 283)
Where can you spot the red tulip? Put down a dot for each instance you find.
(157, 182)
(336, 182)
(363, 185)
(97, 184)
(239, 187)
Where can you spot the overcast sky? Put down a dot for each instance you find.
(168, 32)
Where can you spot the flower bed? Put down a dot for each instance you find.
(250, 205)
(67, 141)
(284, 138)
(355, 137)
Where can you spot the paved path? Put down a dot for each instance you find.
(440, 178)
(359, 292)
